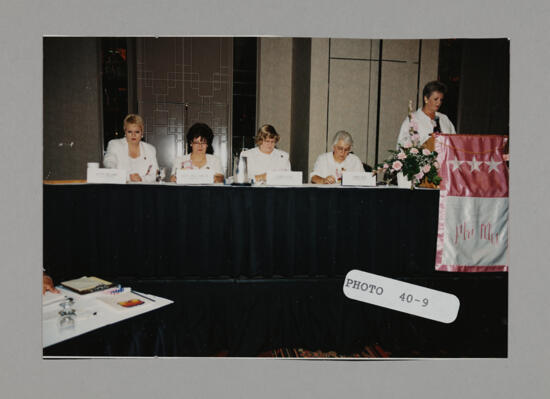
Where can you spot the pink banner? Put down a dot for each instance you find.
(473, 205)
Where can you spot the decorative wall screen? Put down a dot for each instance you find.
(181, 81)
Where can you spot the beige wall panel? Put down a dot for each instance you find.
(429, 63)
(399, 85)
(275, 86)
(351, 48)
(318, 100)
(372, 110)
(401, 50)
(349, 101)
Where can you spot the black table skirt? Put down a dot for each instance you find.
(252, 269)
(145, 231)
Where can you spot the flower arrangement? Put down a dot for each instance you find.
(417, 163)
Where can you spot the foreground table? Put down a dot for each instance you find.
(91, 314)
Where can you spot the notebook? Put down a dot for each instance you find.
(85, 285)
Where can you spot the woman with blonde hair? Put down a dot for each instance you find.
(139, 159)
(265, 157)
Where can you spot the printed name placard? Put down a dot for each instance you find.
(283, 178)
(358, 179)
(103, 175)
(401, 296)
(194, 176)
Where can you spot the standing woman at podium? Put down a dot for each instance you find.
(428, 119)
(139, 159)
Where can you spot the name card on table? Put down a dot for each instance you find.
(104, 175)
(358, 179)
(194, 176)
(286, 178)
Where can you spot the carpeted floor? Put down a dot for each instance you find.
(369, 351)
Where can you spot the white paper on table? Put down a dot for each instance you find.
(49, 298)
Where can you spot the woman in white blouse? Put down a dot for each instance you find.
(329, 166)
(139, 159)
(427, 119)
(265, 157)
(201, 154)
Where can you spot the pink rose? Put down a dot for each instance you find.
(426, 168)
(414, 150)
(397, 165)
(386, 166)
(425, 151)
(401, 155)
(419, 176)
(436, 165)
(408, 144)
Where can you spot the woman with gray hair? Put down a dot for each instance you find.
(329, 166)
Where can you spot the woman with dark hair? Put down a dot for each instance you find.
(201, 154)
(265, 157)
(427, 119)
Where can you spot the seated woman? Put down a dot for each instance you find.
(201, 154)
(328, 167)
(427, 119)
(265, 157)
(139, 159)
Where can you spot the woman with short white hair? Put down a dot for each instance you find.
(329, 166)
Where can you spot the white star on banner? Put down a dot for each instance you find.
(474, 165)
(456, 164)
(493, 165)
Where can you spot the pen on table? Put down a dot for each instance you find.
(141, 295)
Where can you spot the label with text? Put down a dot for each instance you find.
(194, 176)
(358, 179)
(403, 297)
(104, 175)
(283, 178)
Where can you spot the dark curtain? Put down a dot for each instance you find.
(168, 232)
